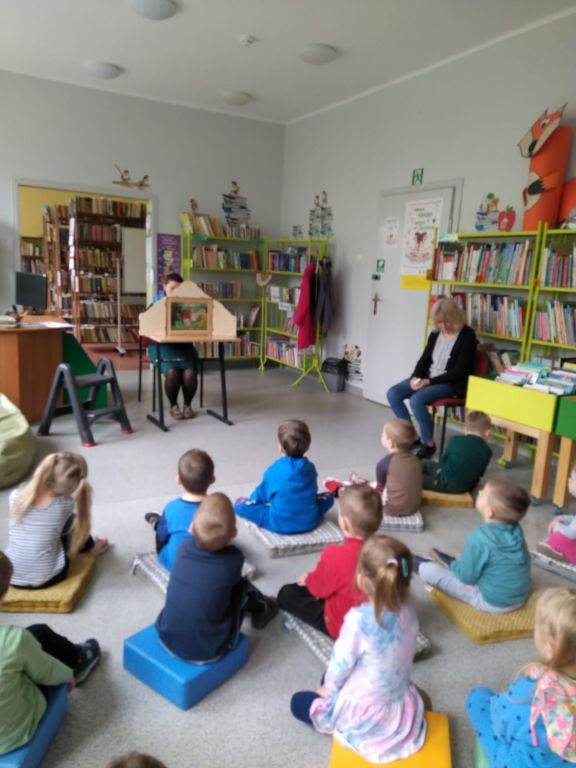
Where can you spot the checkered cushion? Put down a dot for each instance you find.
(282, 545)
(150, 568)
(407, 523)
(568, 570)
(437, 499)
(321, 645)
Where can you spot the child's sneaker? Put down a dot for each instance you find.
(333, 485)
(259, 619)
(152, 518)
(355, 479)
(101, 545)
(89, 657)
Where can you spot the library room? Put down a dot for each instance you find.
(287, 384)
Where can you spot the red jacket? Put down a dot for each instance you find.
(333, 581)
(304, 315)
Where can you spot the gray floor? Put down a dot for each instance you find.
(247, 721)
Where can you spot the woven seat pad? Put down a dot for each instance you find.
(321, 645)
(485, 627)
(407, 523)
(150, 568)
(568, 570)
(282, 545)
(61, 598)
(437, 499)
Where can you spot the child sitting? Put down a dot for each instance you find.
(324, 596)
(367, 699)
(465, 459)
(398, 474)
(493, 572)
(50, 521)
(29, 658)
(534, 722)
(207, 596)
(195, 475)
(136, 760)
(287, 499)
(561, 541)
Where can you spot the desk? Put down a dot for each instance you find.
(28, 358)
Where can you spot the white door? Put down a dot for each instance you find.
(396, 326)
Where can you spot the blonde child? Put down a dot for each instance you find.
(50, 521)
(534, 722)
(136, 760)
(367, 699)
(30, 658)
(561, 541)
(323, 597)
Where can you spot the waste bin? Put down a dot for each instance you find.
(334, 371)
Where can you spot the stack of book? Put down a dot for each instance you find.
(535, 375)
(492, 263)
(235, 209)
(557, 268)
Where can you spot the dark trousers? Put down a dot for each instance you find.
(298, 601)
(56, 645)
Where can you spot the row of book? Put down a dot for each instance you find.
(558, 268)
(210, 226)
(101, 206)
(248, 319)
(294, 260)
(98, 334)
(241, 348)
(556, 323)
(91, 259)
(283, 293)
(106, 233)
(33, 264)
(492, 263)
(494, 313)
(534, 375)
(218, 258)
(231, 290)
(95, 284)
(55, 213)
(57, 234)
(280, 319)
(29, 248)
(108, 310)
(284, 351)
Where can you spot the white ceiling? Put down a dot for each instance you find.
(190, 58)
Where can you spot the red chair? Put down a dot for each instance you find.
(481, 368)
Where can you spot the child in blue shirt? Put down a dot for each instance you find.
(195, 475)
(493, 572)
(287, 500)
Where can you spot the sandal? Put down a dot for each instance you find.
(188, 413)
(100, 546)
(176, 413)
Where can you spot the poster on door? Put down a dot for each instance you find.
(421, 222)
(168, 250)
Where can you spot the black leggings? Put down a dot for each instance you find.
(180, 378)
(56, 645)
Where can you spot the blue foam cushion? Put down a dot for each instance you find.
(31, 754)
(181, 682)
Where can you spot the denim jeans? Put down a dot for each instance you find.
(442, 578)
(419, 400)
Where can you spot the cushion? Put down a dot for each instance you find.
(435, 753)
(30, 755)
(321, 645)
(16, 443)
(151, 569)
(485, 627)
(181, 682)
(407, 523)
(61, 598)
(437, 499)
(562, 568)
(282, 544)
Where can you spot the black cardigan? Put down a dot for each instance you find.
(460, 364)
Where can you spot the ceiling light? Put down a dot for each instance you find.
(318, 53)
(236, 98)
(103, 69)
(154, 9)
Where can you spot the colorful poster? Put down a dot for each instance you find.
(421, 223)
(391, 230)
(169, 259)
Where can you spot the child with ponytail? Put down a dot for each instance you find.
(367, 699)
(50, 521)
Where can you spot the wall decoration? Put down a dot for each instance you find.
(168, 257)
(391, 231)
(421, 223)
(126, 181)
(487, 214)
(320, 217)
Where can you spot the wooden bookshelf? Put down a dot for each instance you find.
(32, 255)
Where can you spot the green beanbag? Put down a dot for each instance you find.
(16, 443)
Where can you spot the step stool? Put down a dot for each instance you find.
(85, 412)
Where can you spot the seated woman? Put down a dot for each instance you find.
(442, 371)
(179, 361)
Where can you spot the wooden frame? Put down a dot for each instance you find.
(185, 316)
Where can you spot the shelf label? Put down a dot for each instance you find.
(284, 306)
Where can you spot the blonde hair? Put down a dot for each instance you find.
(401, 433)
(60, 474)
(508, 501)
(214, 522)
(448, 311)
(477, 422)
(386, 565)
(555, 622)
(361, 505)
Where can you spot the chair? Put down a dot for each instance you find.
(143, 344)
(481, 368)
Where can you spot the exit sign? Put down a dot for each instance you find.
(417, 176)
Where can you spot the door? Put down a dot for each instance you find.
(396, 331)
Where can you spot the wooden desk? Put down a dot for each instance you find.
(29, 356)
(565, 427)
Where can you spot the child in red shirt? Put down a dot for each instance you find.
(324, 596)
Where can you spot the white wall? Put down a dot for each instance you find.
(69, 135)
(460, 120)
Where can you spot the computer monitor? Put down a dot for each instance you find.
(31, 290)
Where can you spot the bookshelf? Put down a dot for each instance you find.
(101, 312)
(31, 255)
(225, 268)
(56, 259)
(492, 276)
